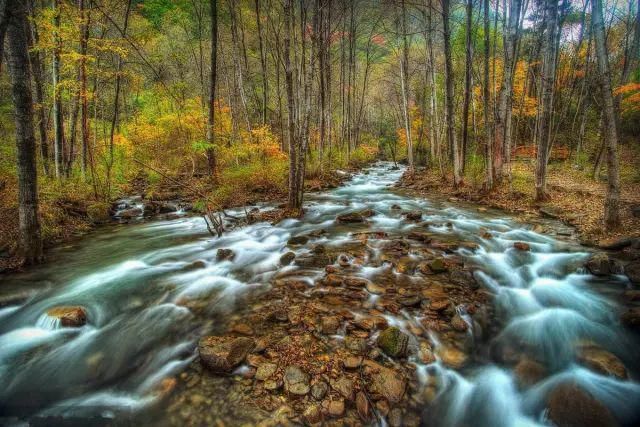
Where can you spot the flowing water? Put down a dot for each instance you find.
(133, 280)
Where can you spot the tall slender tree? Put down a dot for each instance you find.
(449, 117)
(30, 243)
(548, 79)
(612, 200)
(211, 137)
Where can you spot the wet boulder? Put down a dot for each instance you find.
(413, 215)
(522, 246)
(222, 354)
(602, 361)
(225, 255)
(601, 264)
(569, 406)
(330, 325)
(297, 240)
(354, 217)
(393, 342)
(344, 387)
(69, 316)
(452, 357)
(528, 372)
(266, 371)
(287, 258)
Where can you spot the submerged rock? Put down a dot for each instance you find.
(393, 342)
(571, 406)
(222, 354)
(522, 246)
(413, 215)
(71, 316)
(225, 255)
(528, 372)
(438, 266)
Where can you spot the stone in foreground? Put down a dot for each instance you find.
(71, 316)
(222, 354)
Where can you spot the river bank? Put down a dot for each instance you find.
(372, 306)
(574, 200)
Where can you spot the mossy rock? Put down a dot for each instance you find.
(393, 342)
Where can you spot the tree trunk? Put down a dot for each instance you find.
(548, 79)
(488, 134)
(211, 153)
(36, 69)
(449, 118)
(116, 104)
(467, 81)
(404, 83)
(293, 199)
(502, 135)
(58, 146)
(263, 63)
(612, 201)
(30, 243)
(84, 113)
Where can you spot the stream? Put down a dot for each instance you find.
(141, 283)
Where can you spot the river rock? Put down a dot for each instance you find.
(452, 357)
(297, 241)
(438, 266)
(344, 386)
(602, 361)
(393, 342)
(287, 258)
(522, 246)
(413, 215)
(375, 289)
(395, 417)
(296, 381)
(312, 415)
(355, 217)
(330, 325)
(458, 323)
(352, 362)
(601, 264)
(69, 316)
(319, 390)
(632, 270)
(265, 371)
(222, 354)
(335, 408)
(355, 344)
(571, 406)
(130, 213)
(528, 372)
(225, 255)
(363, 407)
(343, 261)
(387, 383)
(426, 353)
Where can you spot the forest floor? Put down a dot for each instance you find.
(575, 198)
